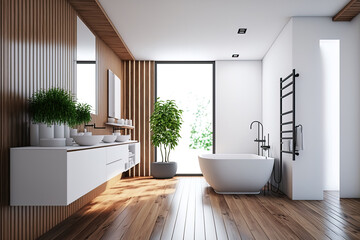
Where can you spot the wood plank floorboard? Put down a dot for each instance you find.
(188, 208)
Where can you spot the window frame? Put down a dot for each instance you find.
(96, 110)
(213, 100)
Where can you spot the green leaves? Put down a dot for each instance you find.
(201, 134)
(57, 106)
(165, 125)
(82, 115)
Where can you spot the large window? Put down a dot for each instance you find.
(191, 85)
(86, 83)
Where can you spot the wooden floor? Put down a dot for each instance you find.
(187, 208)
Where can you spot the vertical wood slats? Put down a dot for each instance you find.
(38, 45)
(139, 78)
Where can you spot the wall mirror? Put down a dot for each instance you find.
(114, 95)
(86, 80)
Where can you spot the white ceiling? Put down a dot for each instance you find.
(207, 29)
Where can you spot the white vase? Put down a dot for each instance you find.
(46, 131)
(34, 134)
(66, 131)
(59, 131)
(69, 141)
(73, 132)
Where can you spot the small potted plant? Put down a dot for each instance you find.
(82, 116)
(52, 107)
(165, 125)
(83, 113)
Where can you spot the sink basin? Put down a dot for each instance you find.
(88, 140)
(109, 138)
(122, 138)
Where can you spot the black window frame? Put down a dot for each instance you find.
(213, 96)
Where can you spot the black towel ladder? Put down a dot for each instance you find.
(292, 131)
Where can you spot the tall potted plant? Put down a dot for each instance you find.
(165, 125)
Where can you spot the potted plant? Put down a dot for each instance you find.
(82, 116)
(165, 125)
(83, 113)
(35, 105)
(54, 106)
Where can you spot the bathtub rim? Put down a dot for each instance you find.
(223, 156)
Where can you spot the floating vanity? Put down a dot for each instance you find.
(57, 176)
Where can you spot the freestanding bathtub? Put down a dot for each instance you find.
(236, 173)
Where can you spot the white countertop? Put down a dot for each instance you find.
(76, 147)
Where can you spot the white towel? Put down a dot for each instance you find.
(287, 145)
(299, 138)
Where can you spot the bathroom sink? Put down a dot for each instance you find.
(109, 138)
(88, 140)
(122, 138)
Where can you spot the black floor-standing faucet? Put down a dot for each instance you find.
(258, 140)
(266, 147)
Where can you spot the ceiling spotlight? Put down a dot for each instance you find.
(242, 30)
(235, 55)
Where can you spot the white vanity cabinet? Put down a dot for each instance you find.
(86, 170)
(41, 176)
(117, 157)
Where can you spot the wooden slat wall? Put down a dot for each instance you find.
(38, 47)
(139, 97)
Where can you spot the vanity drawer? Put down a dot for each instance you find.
(116, 153)
(114, 168)
(85, 171)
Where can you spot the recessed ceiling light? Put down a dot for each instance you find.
(242, 30)
(235, 55)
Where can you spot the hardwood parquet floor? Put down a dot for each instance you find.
(187, 208)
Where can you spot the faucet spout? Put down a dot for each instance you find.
(258, 122)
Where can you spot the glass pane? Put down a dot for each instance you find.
(86, 85)
(85, 42)
(191, 86)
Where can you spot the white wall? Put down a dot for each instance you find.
(330, 58)
(277, 63)
(308, 169)
(350, 111)
(238, 103)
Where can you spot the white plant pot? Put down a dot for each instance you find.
(66, 131)
(73, 132)
(34, 134)
(59, 130)
(52, 142)
(46, 131)
(69, 141)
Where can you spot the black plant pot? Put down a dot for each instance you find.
(163, 169)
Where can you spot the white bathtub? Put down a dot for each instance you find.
(236, 173)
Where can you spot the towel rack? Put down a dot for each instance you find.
(288, 134)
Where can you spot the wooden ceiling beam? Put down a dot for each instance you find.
(351, 10)
(94, 16)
